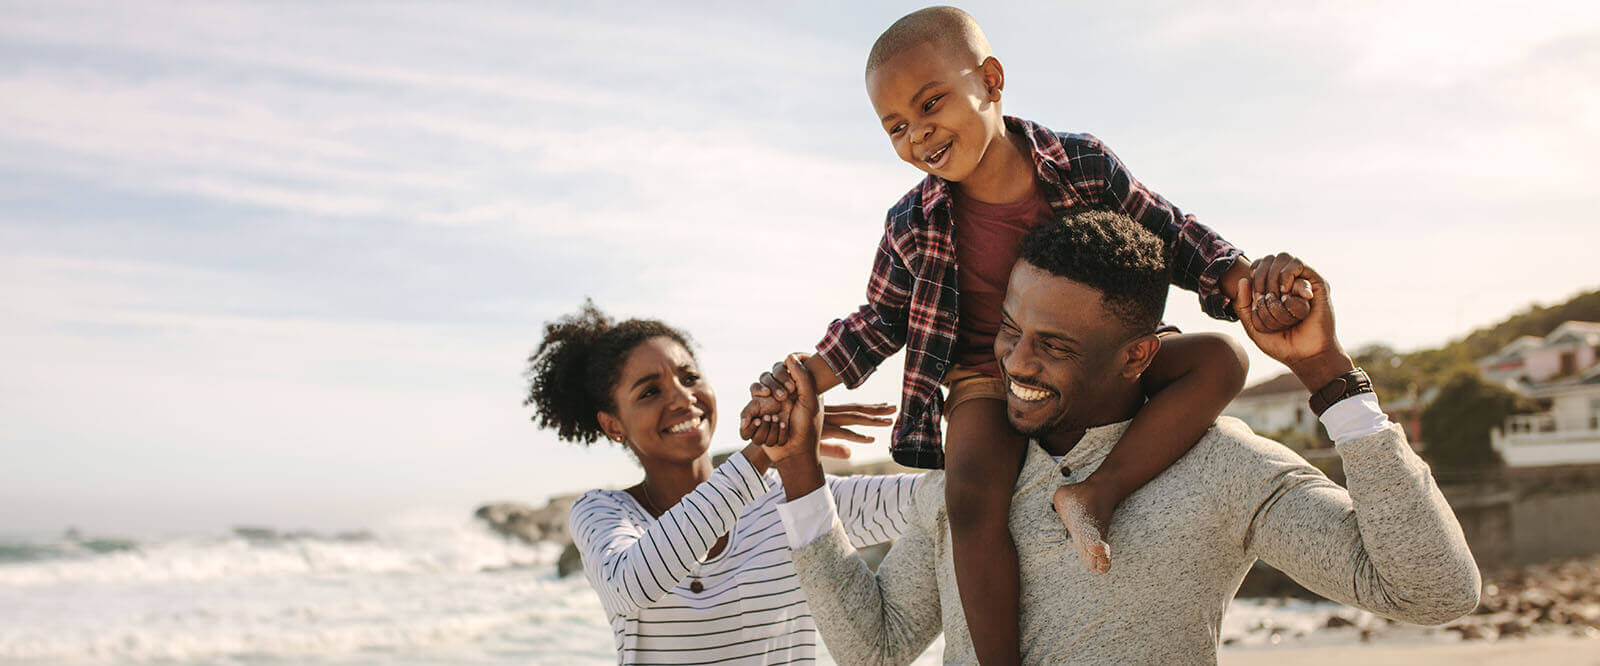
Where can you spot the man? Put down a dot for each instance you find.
(1078, 318)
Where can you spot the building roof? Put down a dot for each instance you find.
(1284, 383)
(1582, 332)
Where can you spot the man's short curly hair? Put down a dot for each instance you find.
(572, 373)
(1111, 253)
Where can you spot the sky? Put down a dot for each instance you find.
(282, 263)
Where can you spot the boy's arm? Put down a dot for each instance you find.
(855, 345)
(1190, 380)
(1200, 258)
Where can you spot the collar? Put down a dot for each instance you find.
(1089, 452)
(1049, 162)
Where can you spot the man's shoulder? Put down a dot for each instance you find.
(1230, 444)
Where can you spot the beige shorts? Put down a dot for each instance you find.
(964, 383)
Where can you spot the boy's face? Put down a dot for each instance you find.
(941, 112)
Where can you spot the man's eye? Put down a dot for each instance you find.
(691, 379)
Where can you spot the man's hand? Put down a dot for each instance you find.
(1310, 348)
(804, 427)
(1277, 288)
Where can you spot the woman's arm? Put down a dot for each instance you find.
(876, 508)
(632, 565)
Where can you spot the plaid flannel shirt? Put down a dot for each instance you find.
(912, 295)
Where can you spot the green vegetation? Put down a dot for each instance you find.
(1458, 421)
(1397, 375)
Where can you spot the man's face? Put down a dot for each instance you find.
(1060, 350)
(936, 107)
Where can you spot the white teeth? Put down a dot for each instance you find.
(935, 155)
(1028, 394)
(686, 426)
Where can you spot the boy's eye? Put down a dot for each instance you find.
(897, 128)
(928, 105)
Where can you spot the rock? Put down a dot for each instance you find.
(570, 563)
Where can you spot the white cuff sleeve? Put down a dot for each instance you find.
(1354, 417)
(808, 517)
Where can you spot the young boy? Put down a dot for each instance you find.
(936, 88)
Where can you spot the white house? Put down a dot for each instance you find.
(1561, 370)
(1275, 406)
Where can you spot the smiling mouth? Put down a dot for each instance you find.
(686, 426)
(1027, 393)
(936, 155)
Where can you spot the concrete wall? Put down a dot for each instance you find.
(1551, 527)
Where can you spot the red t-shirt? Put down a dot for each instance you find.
(986, 238)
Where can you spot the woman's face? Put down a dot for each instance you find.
(665, 410)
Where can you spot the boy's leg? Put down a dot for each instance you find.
(983, 457)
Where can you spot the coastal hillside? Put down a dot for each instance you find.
(1399, 374)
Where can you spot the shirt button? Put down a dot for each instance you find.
(1066, 471)
(696, 587)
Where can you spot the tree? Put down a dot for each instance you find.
(1460, 418)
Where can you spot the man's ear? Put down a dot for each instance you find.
(1137, 355)
(612, 427)
(994, 77)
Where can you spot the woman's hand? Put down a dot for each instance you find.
(805, 426)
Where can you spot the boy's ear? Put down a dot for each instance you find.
(1138, 353)
(994, 77)
(612, 427)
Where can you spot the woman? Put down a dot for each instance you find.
(691, 563)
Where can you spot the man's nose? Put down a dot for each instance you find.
(1018, 361)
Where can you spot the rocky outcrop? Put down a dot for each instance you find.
(1554, 597)
(528, 524)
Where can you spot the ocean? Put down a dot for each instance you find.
(419, 591)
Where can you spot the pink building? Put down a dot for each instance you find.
(1571, 349)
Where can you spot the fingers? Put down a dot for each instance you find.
(875, 408)
(1242, 306)
(833, 450)
(781, 373)
(855, 419)
(1298, 306)
(1272, 314)
(805, 389)
(1287, 268)
(772, 384)
(831, 431)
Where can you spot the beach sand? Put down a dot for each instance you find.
(1545, 650)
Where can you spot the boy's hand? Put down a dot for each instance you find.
(1279, 293)
(776, 383)
(1311, 348)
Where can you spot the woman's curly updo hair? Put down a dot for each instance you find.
(572, 373)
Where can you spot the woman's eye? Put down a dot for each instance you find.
(647, 393)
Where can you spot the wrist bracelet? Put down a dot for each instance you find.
(1344, 386)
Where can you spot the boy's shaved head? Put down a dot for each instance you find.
(946, 27)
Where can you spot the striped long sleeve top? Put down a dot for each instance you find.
(670, 604)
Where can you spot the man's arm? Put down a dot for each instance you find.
(1390, 544)
(885, 618)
